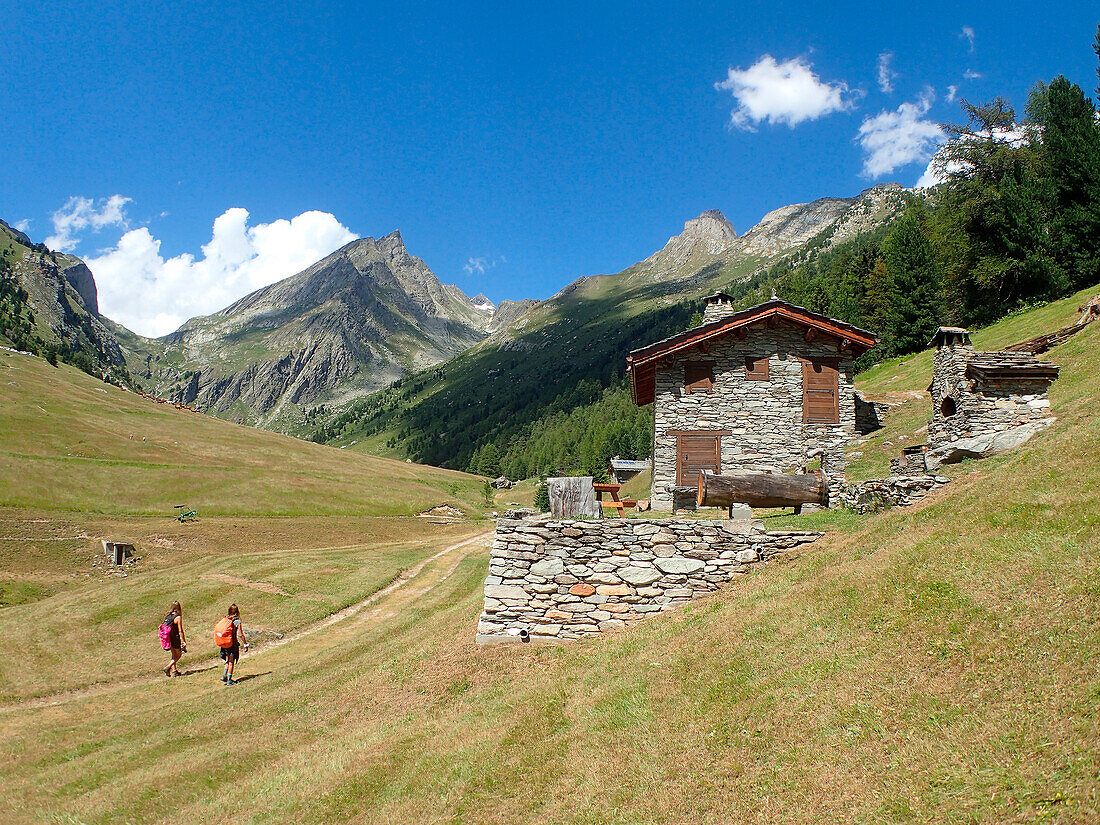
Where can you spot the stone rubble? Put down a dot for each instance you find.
(892, 491)
(572, 578)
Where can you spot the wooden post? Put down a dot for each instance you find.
(572, 496)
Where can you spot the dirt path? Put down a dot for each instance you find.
(399, 582)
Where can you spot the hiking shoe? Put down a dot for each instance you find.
(230, 683)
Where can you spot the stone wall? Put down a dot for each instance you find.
(568, 579)
(870, 414)
(893, 491)
(979, 411)
(764, 417)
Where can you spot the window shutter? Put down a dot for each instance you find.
(756, 369)
(698, 377)
(820, 393)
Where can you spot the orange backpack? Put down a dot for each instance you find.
(223, 632)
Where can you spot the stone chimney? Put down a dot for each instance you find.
(719, 305)
(951, 337)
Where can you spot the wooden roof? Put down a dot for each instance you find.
(642, 363)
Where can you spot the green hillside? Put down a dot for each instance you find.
(293, 529)
(71, 442)
(933, 663)
(563, 356)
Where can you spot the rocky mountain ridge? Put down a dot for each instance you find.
(62, 299)
(348, 325)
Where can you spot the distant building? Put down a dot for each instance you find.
(755, 389)
(981, 394)
(624, 469)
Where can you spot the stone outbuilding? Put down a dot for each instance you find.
(749, 390)
(980, 397)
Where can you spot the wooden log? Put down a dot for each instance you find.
(762, 489)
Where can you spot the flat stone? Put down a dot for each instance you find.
(548, 568)
(679, 592)
(641, 575)
(613, 590)
(559, 614)
(604, 578)
(582, 589)
(611, 625)
(677, 564)
(746, 555)
(504, 591)
(546, 630)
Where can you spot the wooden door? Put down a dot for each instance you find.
(820, 392)
(696, 452)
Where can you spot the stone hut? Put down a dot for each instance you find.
(977, 396)
(748, 390)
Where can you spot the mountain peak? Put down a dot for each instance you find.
(711, 225)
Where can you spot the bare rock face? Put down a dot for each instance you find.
(81, 279)
(709, 234)
(790, 226)
(348, 325)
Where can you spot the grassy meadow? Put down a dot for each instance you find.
(933, 663)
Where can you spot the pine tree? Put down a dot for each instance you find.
(917, 306)
(1071, 140)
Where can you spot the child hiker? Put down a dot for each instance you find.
(176, 640)
(228, 635)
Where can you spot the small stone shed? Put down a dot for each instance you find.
(748, 390)
(980, 394)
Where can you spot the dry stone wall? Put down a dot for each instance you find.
(569, 579)
(893, 491)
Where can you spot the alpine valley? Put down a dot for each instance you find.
(367, 349)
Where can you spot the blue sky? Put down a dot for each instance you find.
(515, 146)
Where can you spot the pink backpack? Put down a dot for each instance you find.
(165, 636)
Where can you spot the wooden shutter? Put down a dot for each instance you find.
(756, 369)
(820, 393)
(696, 452)
(698, 377)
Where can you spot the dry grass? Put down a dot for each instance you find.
(929, 664)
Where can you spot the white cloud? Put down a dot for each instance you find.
(482, 263)
(23, 226)
(895, 139)
(781, 93)
(967, 34)
(153, 295)
(970, 74)
(79, 214)
(884, 73)
(952, 91)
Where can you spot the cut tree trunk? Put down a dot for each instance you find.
(762, 489)
(572, 496)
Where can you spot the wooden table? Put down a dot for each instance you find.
(614, 504)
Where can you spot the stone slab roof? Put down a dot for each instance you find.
(1010, 365)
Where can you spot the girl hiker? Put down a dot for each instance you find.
(173, 638)
(228, 635)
